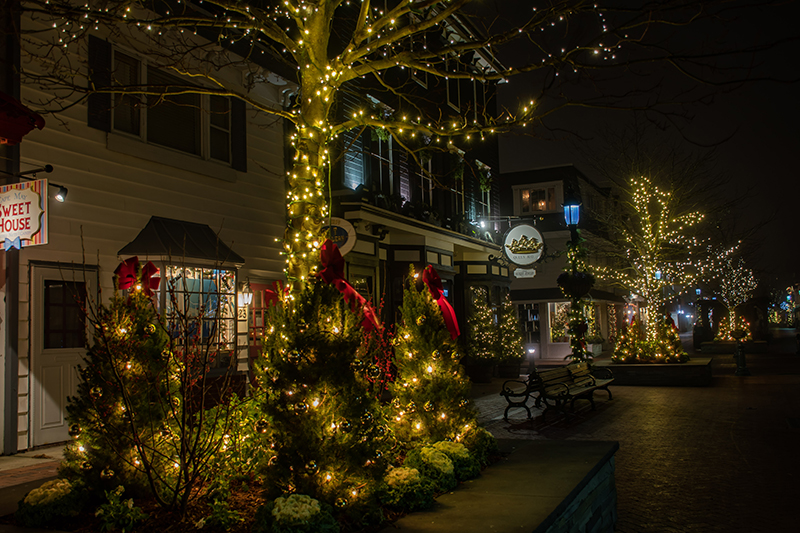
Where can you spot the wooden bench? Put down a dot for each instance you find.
(557, 386)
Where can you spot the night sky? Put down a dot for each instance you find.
(761, 118)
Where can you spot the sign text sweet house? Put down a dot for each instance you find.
(23, 214)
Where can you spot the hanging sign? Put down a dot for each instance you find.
(23, 214)
(342, 234)
(523, 245)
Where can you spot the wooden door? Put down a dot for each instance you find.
(58, 329)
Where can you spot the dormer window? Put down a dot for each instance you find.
(537, 200)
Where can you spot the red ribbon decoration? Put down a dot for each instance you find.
(434, 283)
(127, 276)
(333, 273)
(273, 296)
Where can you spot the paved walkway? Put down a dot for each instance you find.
(724, 458)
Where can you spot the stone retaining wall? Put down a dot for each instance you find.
(592, 510)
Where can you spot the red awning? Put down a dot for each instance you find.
(16, 120)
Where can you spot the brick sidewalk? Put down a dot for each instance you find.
(693, 459)
(25, 474)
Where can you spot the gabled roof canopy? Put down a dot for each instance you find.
(180, 240)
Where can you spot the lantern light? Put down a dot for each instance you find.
(246, 294)
(572, 211)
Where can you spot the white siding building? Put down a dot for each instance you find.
(214, 162)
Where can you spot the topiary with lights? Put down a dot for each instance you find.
(511, 347)
(123, 400)
(483, 335)
(633, 346)
(431, 392)
(319, 412)
(726, 329)
(138, 418)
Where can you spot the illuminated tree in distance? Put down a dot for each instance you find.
(736, 284)
(660, 247)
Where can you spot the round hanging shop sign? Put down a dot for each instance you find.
(342, 233)
(523, 245)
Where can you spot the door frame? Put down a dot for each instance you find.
(38, 273)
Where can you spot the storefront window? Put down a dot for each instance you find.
(201, 309)
(529, 318)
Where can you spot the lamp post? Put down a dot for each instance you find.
(576, 284)
(741, 362)
(572, 214)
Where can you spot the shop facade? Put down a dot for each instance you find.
(536, 198)
(200, 199)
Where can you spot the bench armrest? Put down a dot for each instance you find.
(508, 391)
(602, 372)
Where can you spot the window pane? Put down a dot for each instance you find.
(54, 292)
(126, 107)
(55, 316)
(63, 316)
(220, 145)
(551, 199)
(173, 121)
(220, 112)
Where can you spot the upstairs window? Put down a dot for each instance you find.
(479, 106)
(426, 183)
(453, 85)
(483, 206)
(418, 44)
(210, 127)
(538, 200)
(382, 168)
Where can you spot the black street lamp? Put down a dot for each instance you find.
(572, 214)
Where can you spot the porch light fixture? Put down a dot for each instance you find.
(61, 194)
(246, 294)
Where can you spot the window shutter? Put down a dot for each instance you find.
(100, 76)
(238, 135)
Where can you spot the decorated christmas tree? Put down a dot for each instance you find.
(483, 336)
(668, 347)
(318, 405)
(138, 419)
(726, 329)
(431, 392)
(119, 419)
(510, 345)
(629, 342)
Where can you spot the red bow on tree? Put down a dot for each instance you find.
(333, 273)
(273, 296)
(434, 283)
(126, 274)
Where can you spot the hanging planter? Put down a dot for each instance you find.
(576, 284)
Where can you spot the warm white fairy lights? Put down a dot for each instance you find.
(660, 249)
(383, 38)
